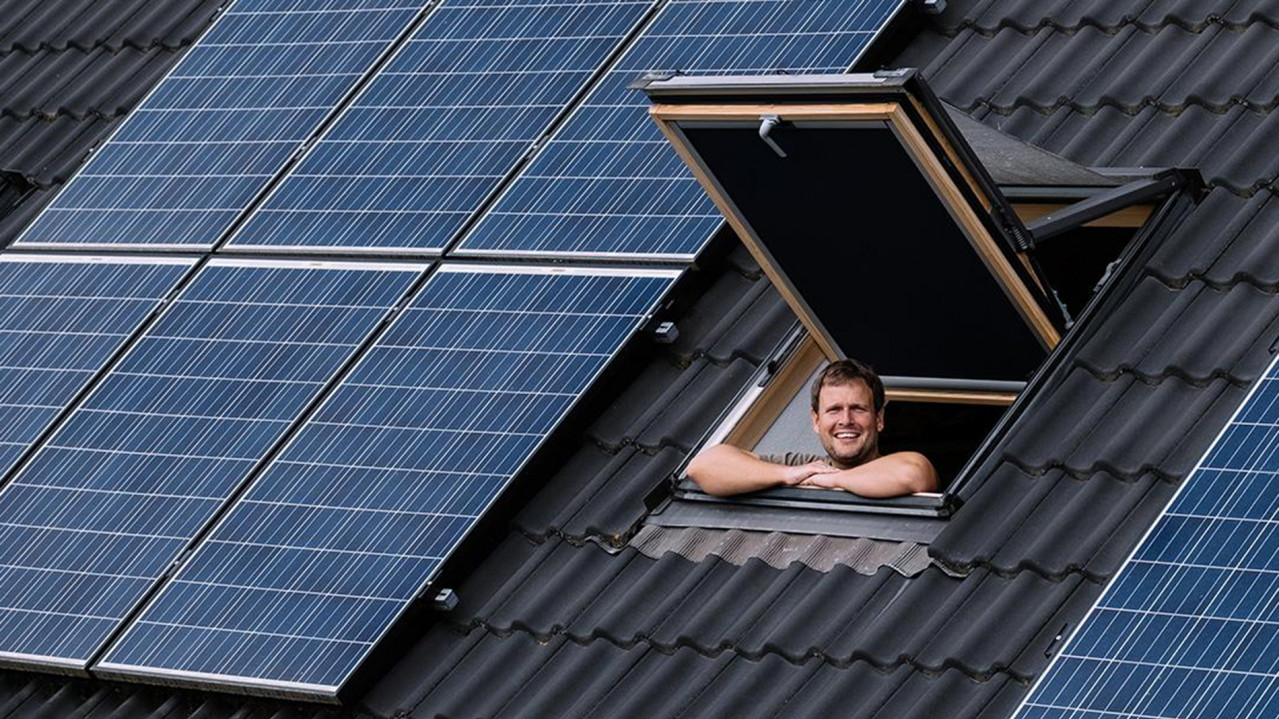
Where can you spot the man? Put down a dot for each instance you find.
(848, 415)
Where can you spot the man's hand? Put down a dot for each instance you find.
(804, 475)
(893, 475)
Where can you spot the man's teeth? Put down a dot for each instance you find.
(846, 435)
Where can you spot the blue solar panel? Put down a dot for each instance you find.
(215, 131)
(61, 320)
(333, 541)
(441, 125)
(103, 508)
(1190, 626)
(607, 184)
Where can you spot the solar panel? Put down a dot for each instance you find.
(121, 487)
(436, 131)
(1188, 627)
(607, 184)
(214, 132)
(61, 320)
(344, 529)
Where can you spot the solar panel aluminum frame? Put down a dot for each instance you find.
(459, 246)
(431, 252)
(335, 694)
(898, 101)
(1060, 649)
(60, 665)
(20, 244)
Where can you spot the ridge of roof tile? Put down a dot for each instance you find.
(79, 85)
(755, 610)
(1231, 149)
(1054, 523)
(1170, 69)
(1029, 16)
(32, 26)
(526, 676)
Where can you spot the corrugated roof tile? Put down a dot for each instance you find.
(1027, 15)
(32, 25)
(1126, 425)
(1052, 523)
(1128, 68)
(484, 675)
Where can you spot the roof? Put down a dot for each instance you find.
(565, 618)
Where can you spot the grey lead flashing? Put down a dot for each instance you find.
(780, 550)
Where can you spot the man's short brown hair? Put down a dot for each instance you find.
(845, 372)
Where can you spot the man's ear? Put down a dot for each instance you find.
(879, 420)
(813, 414)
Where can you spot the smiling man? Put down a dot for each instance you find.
(848, 415)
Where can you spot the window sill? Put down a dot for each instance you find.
(924, 504)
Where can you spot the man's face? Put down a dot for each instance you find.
(847, 424)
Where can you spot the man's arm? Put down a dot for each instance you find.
(724, 469)
(892, 475)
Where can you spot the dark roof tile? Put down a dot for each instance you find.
(47, 152)
(1127, 68)
(688, 399)
(599, 494)
(1051, 523)
(1168, 331)
(1230, 148)
(1228, 240)
(728, 299)
(1126, 425)
(586, 593)
(990, 15)
(32, 25)
(486, 675)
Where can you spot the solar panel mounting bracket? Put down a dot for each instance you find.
(445, 600)
(666, 333)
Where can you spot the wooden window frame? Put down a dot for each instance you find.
(668, 116)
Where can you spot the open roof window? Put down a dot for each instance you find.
(867, 223)
(869, 211)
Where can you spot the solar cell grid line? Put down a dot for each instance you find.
(207, 140)
(348, 524)
(606, 184)
(440, 126)
(1189, 626)
(123, 485)
(62, 319)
